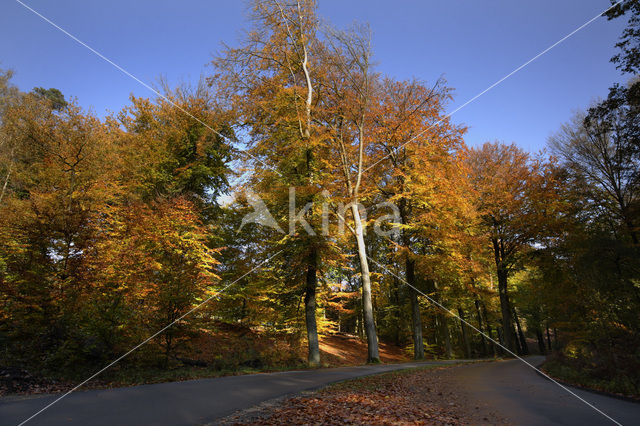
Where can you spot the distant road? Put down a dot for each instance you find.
(509, 388)
(518, 393)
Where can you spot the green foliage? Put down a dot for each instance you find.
(53, 96)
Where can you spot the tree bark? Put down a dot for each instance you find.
(6, 182)
(367, 307)
(493, 345)
(508, 334)
(523, 341)
(416, 319)
(465, 336)
(540, 338)
(447, 337)
(397, 300)
(444, 333)
(310, 309)
(481, 328)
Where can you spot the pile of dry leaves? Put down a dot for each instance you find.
(409, 397)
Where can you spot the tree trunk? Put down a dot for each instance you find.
(416, 320)
(447, 337)
(493, 345)
(397, 331)
(523, 340)
(540, 338)
(465, 336)
(6, 182)
(444, 332)
(367, 307)
(481, 328)
(310, 309)
(548, 337)
(508, 334)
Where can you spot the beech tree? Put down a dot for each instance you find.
(348, 87)
(271, 82)
(516, 201)
(417, 145)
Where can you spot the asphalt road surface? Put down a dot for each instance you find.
(510, 388)
(520, 394)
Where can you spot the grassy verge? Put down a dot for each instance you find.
(591, 378)
(122, 376)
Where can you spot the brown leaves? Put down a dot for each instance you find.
(413, 397)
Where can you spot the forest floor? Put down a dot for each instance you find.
(229, 352)
(405, 397)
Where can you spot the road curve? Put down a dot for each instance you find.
(509, 388)
(524, 397)
(178, 403)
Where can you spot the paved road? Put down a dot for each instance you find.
(177, 403)
(511, 389)
(521, 395)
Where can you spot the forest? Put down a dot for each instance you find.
(296, 193)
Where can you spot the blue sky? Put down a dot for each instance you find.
(472, 43)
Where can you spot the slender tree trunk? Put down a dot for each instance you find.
(481, 328)
(519, 349)
(410, 275)
(523, 340)
(493, 345)
(548, 337)
(441, 319)
(367, 307)
(447, 337)
(465, 336)
(416, 319)
(398, 313)
(444, 333)
(6, 182)
(310, 309)
(540, 338)
(508, 334)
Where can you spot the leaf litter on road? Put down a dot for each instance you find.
(408, 397)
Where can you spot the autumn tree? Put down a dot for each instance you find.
(56, 174)
(517, 202)
(178, 145)
(418, 146)
(348, 86)
(148, 265)
(271, 83)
